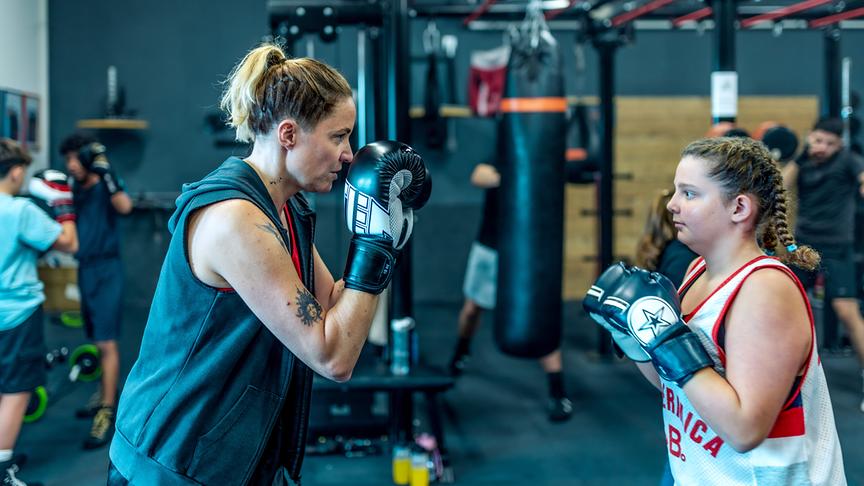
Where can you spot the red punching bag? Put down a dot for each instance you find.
(531, 147)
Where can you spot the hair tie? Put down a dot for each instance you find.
(275, 59)
(791, 248)
(768, 252)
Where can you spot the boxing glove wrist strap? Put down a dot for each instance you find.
(112, 182)
(370, 263)
(680, 357)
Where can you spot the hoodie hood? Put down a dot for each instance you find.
(232, 175)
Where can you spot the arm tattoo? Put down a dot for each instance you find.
(308, 309)
(269, 228)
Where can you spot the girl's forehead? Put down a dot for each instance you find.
(691, 169)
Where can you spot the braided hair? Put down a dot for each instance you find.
(745, 166)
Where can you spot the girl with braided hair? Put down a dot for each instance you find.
(761, 414)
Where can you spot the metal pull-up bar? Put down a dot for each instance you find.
(638, 12)
(692, 16)
(782, 12)
(479, 11)
(833, 19)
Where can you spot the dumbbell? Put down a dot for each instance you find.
(58, 355)
(84, 365)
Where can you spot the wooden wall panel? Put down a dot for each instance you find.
(650, 134)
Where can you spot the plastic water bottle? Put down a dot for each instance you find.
(419, 468)
(401, 464)
(401, 328)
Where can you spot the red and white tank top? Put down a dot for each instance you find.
(802, 447)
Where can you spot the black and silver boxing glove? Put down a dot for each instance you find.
(386, 182)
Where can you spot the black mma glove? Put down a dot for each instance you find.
(592, 303)
(645, 306)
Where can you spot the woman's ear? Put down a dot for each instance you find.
(287, 132)
(743, 208)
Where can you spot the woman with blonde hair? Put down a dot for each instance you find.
(245, 308)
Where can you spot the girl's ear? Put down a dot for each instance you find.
(743, 207)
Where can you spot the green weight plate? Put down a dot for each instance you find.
(37, 405)
(87, 357)
(72, 319)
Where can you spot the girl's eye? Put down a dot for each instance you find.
(689, 194)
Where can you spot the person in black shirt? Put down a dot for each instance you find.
(829, 180)
(99, 197)
(480, 294)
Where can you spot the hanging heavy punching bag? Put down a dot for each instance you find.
(531, 147)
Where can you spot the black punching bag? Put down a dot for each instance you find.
(531, 147)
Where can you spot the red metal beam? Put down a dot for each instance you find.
(554, 13)
(638, 12)
(692, 17)
(833, 19)
(782, 12)
(478, 12)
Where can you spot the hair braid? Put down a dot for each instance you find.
(744, 166)
(769, 238)
(803, 256)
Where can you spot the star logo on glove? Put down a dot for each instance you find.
(646, 318)
(653, 320)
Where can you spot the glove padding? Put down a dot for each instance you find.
(642, 305)
(386, 182)
(52, 188)
(92, 157)
(370, 263)
(592, 303)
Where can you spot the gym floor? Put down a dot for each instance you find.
(495, 425)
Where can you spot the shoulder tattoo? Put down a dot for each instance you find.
(269, 228)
